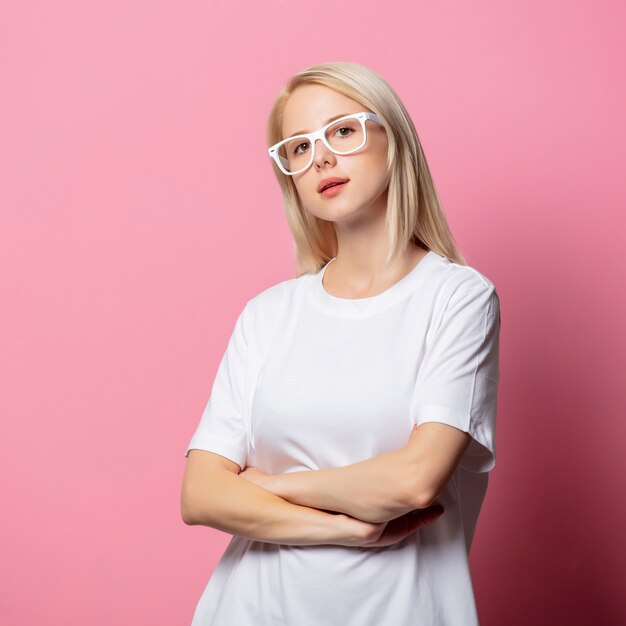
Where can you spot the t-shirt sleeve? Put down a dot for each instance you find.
(223, 428)
(458, 381)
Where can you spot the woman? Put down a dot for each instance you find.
(357, 401)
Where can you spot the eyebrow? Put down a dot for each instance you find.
(328, 121)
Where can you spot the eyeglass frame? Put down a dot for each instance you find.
(363, 116)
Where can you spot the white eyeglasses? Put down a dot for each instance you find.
(294, 154)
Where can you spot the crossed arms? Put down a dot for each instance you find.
(343, 501)
(381, 488)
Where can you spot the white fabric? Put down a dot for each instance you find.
(310, 381)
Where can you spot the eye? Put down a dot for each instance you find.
(351, 130)
(297, 148)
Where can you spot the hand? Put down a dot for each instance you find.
(255, 476)
(372, 535)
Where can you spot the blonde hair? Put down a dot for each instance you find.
(414, 212)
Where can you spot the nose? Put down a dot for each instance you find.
(322, 154)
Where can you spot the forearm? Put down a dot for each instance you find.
(233, 505)
(375, 490)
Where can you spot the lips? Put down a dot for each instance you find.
(331, 185)
(331, 182)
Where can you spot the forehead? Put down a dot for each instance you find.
(310, 106)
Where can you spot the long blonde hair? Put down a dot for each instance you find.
(414, 212)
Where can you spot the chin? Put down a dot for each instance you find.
(343, 212)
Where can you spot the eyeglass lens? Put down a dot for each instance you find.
(344, 136)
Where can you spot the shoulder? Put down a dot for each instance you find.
(454, 276)
(266, 307)
(463, 287)
(264, 312)
(450, 278)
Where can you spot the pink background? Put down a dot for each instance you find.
(139, 212)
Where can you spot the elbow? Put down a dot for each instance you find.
(187, 510)
(419, 495)
(422, 499)
(427, 499)
(186, 517)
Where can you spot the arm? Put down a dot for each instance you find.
(462, 364)
(214, 495)
(385, 486)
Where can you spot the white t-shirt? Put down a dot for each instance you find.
(310, 381)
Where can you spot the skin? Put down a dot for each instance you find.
(363, 533)
(358, 211)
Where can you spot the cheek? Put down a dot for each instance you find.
(373, 175)
(307, 193)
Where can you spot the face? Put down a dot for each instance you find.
(308, 108)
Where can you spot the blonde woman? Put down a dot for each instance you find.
(350, 429)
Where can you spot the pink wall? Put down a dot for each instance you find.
(134, 186)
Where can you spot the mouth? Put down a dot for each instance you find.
(331, 182)
(334, 189)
